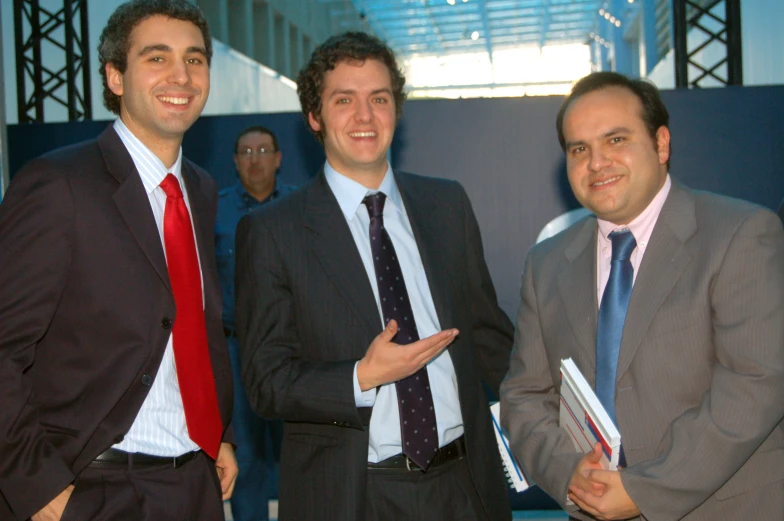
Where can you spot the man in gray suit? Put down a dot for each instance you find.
(348, 292)
(695, 374)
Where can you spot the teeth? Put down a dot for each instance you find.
(174, 101)
(608, 181)
(362, 134)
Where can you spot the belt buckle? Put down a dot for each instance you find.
(411, 465)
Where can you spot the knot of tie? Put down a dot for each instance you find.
(375, 204)
(623, 244)
(171, 186)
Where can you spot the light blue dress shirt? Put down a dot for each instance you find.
(385, 421)
(159, 428)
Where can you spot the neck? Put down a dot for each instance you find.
(166, 148)
(259, 193)
(370, 178)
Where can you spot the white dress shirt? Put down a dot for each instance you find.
(159, 428)
(385, 438)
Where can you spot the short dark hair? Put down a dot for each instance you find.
(115, 41)
(350, 46)
(654, 112)
(261, 130)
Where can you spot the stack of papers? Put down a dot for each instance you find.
(584, 417)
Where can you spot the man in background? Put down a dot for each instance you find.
(115, 383)
(671, 303)
(348, 292)
(257, 158)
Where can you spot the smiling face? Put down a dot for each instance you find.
(357, 120)
(614, 166)
(166, 83)
(257, 171)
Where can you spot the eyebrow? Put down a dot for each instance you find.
(162, 47)
(337, 92)
(610, 133)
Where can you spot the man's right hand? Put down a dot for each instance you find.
(54, 510)
(386, 362)
(589, 461)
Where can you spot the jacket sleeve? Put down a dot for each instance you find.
(280, 381)
(492, 330)
(530, 401)
(36, 227)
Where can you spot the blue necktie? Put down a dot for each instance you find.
(612, 314)
(414, 399)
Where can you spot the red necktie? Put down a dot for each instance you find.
(189, 334)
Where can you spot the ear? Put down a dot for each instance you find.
(278, 158)
(663, 144)
(315, 124)
(114, 79)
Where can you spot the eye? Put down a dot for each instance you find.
(194, 61)
(157, 59)
(577, 150)
(617, 139)
(342, 101)
(381, 99)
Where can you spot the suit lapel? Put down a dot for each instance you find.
(334, 247)
(421, 208)
(132, 201)
(664, 261)
(577, 289)
(200, 204)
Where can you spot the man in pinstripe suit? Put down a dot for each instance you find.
(314, 345)
(700, 368)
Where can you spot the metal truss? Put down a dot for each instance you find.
(42, 38)
(726, 69)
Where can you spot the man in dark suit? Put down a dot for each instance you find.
(671, 303)
(335, 285)
(115, 381)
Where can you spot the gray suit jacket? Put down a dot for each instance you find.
(699, 395)
(306, 314)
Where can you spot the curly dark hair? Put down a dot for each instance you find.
(654, 112)
(115, 41)
(349, 46)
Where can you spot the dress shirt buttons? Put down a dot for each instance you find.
(147, 380)
(166, 323)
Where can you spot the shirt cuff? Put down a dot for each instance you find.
(363, 398)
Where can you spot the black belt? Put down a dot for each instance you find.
(449, 452)
(229, 332)
(137, 459)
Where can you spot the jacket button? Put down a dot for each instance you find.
(118, 438)
(147, 380)
(166, 323)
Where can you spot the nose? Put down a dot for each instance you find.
(364, 112)
(598, 159)
(179, 74)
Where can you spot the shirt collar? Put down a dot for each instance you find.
(349, 193)
(151, 169)
(245, 199)
(642, 225)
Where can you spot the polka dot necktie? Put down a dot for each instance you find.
(415, 401)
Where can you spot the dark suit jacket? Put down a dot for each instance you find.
(306, 313)
(701, 366)
(85, 312)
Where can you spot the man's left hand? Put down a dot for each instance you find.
(226, 465)
(615, 503)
